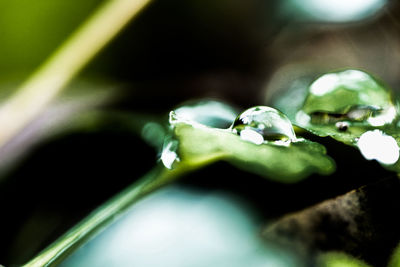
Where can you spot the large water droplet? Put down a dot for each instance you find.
(347, 96)
(264, 124)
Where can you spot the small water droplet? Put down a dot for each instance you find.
(169, 152)
(173, 117)
(342, 126)
(263, 124)
(347, 96)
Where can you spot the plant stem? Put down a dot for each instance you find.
(104, 215)
(32, 97)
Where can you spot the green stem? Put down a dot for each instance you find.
(104, 215)
(32, 97)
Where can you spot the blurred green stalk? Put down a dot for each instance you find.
(38, 91)
(44, 85)
(104, 215)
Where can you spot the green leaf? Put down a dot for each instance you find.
(336, 259)
(196, 145)
(354, 108)
(395, 258)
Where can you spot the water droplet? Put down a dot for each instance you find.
(377, 145)
(173, 118)
(350, 96)
(210, 113)
(264, 124)
(169, 152)
(342, 126)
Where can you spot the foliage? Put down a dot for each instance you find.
(347, 105)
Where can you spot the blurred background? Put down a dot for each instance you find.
(245, 53)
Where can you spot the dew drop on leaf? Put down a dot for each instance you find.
(342, 126)
(169, 152)
(350, 96)
(211, 113)
(264, 124)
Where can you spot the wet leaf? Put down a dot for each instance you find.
(194, 145)
(349, 96)
(355, 108)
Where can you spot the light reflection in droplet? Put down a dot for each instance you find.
(252, 136)
(169, 155)
(379, 146)
(263, 124)
(208, 112)
(302, 118)
(349, 78)
(325, 84)
(385, 117)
